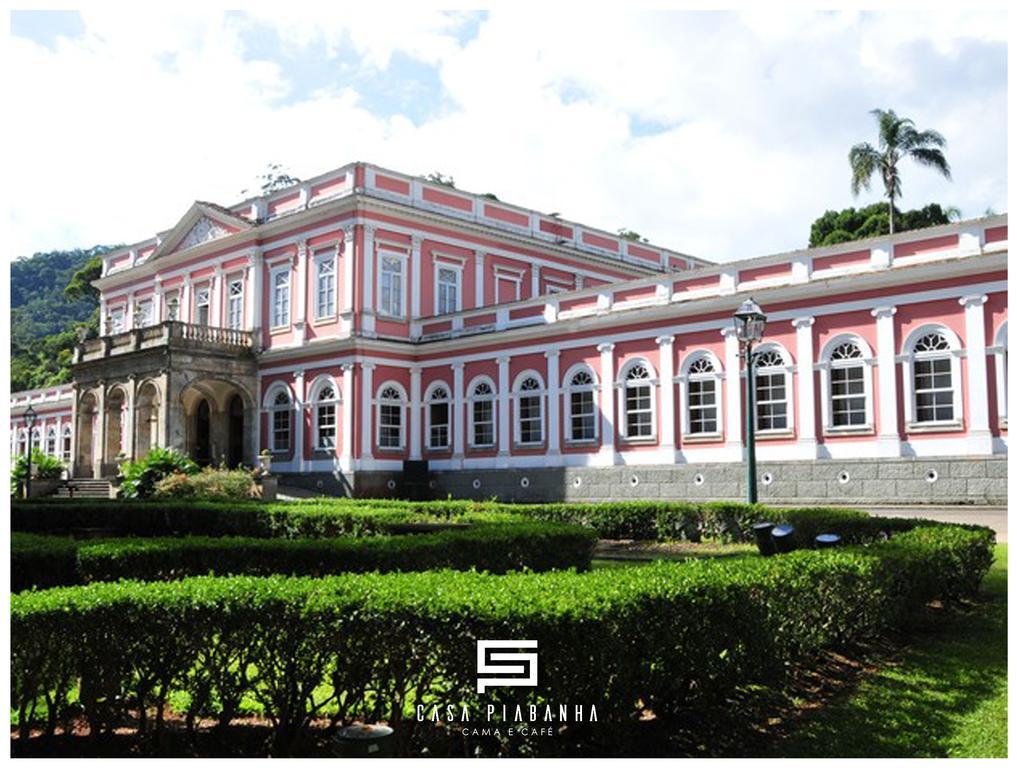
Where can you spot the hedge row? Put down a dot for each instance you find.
(46, 561)
(669, 636)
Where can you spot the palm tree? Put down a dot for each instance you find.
(898, 138)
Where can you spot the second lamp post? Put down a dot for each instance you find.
(750, 322)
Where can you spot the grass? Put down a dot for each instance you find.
(944, 697)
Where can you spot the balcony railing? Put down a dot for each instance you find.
(169, 333)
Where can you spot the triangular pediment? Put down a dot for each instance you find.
(203, 223)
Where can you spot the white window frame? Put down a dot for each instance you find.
(280, 322)
(685, 377)
(205, 289)
(622, 384)
(471, 400)
(1002, 352)
(954, 354)
(322, 258)
(272, 408)
(827, 364)
(457, 270)
(51, 438)
(403, 259)
(171, 301)
(117, 320)
(23, 442)
(512, 276)
(235, 304)
(429, 400)
(788, 369)
(567, 391)
(66, 442)
(517, 395)
(143, 310)
(320, 385)
(402, 403)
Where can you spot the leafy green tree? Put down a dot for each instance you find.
(274, 178)
(898, 139)
(630, 234)
(440, 178)
(872, 221)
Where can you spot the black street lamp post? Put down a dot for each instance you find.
(750, 322)
(30, 417)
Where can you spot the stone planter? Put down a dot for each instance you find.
(266, 487)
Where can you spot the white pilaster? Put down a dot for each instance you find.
(503, 411)
(416, 451)
(348, 260)
(346, 454)
(368, 262)
(607, 451)
(416, 271)
(458, 415)
(553, 403)
(216, 299)
(300, 302)
(299, 407)
(978, 379)
(255, 288)
(733, 387)
(806, 385)
(366, 411)
(535, 281)
(185, 300)
(888, 439)
(667, 372)
(478, 278)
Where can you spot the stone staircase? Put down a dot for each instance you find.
(83, 488)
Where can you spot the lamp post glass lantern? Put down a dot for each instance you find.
(750, 323)
(30, 418)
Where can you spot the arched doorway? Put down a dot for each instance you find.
(84, 462)
(146, 419)
(203, 434)
(116, 404)
(235, 453)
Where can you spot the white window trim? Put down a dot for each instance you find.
(517, 395)
(269, 406)
(493, 399)
(501, 273)
(788, 369)
(622, 385)
(908, 359)
(567, 390)
(315, 403)
(242, 296)
(52, 434)
(428, 394)
(198, 289)
(1001, 352)
(272, 277)
(65, 435)
(145, 308)
(826, 365)
(117, 317)
(683, 396)
(404, 260)
(323, 256)
(403, 402)
(458, 269)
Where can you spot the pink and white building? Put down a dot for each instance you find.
(372, 331)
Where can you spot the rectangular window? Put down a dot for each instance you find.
(638, 411)
(847, 396)
(116, 321)
(438, 437)
(933, 390)
(67, 445)
(281, 430)
(235, 309)
(390, 422)
(326, 427)
(172, 306)
(392, 286)
(325, 282)
(483, 423)
(202, 304)
(530, 427)
(506, 289)
(702, 406)
(583, 416)
(281, 298)
(144, 313)
(448, 290)
(771, 401)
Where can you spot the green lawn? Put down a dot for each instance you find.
(945, 698)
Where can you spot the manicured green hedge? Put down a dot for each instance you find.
(672, 636)
(42, 561)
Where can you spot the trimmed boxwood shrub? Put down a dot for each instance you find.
(671, 636)
(42, 561)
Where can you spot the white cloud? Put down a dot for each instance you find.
(123, 127)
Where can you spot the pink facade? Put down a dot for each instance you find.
(395, 320)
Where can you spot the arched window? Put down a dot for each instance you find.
(846, 363)
(23, 443)
(36, 438)
(580, 394)
(280, 419)
(51, 441)
(529, 396)
(482, 397)
(639, 404)
(66, 447)
(933, 379)
(438, 417)
(391, 402)
(773, 391)
(703, 385)
(326, 400)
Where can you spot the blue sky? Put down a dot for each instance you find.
(720, 134)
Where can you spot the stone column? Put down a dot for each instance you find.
(416, 451)
(733, 380)
(458, 416)
(666, 345)
(888, 439)
(607, 415)
(503, 411)
(979, 434)
(301, 412)
(416, 271)
(99, 452)
(806, 387)
(346, 454)
(366, 410)
(553, 403)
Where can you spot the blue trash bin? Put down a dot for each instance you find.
(783, 537)
(827, 540)
(763, 540)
